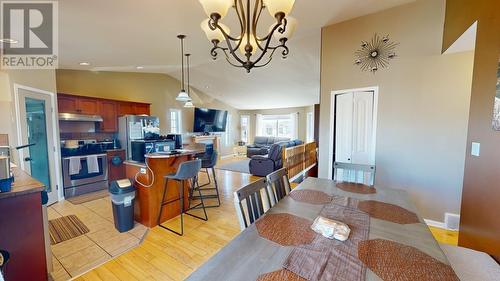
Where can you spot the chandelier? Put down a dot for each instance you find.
(247, 49)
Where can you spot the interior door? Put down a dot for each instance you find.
(362, 133)
(36, 124)
(343, 127)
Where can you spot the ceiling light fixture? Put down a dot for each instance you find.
(9, 41)
(189, 103)
(84, 63)
(139, 67)
(249, 44)
(182, 96)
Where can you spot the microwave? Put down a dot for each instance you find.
(141, 147)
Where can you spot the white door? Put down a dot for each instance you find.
(354, 132)
(36, 124)
(343, 127)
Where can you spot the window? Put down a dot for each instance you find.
(175, 121)
(228, 130)
(245, 127)
(277, 125)
(310, 127)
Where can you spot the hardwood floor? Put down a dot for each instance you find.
(444, 236)
(166, 256)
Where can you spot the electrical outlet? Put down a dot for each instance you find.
(143, 171)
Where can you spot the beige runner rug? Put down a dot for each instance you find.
(65, 228)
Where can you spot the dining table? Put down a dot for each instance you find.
(388, 240)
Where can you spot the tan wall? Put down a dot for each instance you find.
(302, 134)
(423, 102)
(480, 222)
(158, 89)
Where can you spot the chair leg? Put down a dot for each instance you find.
(208, 176)
(162, 203)
(202, 204)
(216, 187)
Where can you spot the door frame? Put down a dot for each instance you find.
(333, 94)
(55, 134)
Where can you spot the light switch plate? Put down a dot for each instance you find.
(475, 149)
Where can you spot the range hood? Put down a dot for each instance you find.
(79, 117)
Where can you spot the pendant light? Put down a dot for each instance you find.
(188, 103)
(182, 96)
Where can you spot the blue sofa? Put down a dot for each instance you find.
(263, 165)
(261, 145)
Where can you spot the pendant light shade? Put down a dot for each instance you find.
(279, 6)
(219, 7)
(182, 96)
(188, 104)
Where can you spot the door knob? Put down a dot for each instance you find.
(27, 159)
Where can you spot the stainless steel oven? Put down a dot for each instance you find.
(80, 176)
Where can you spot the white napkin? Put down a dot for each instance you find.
(74, 166)
(92, 164)
(331, 229)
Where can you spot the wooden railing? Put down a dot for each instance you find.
(299, 159)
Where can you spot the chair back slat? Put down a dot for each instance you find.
(250, 198)
(279, 184)
(355, 173)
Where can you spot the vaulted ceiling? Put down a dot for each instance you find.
(118, 35)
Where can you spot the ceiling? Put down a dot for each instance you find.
(118, 35)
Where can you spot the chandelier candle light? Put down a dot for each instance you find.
(252, 48)
(182, 96)
(188, 103)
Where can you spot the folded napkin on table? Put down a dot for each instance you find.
(331, 229)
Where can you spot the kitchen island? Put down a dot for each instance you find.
(149, 182)
(22, 229)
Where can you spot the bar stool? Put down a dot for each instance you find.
(208, 162)
(188, 171)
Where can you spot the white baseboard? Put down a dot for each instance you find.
(435, 223)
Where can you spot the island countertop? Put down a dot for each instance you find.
(181, 152)
(23, 184)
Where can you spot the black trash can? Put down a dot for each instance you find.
(122, 197)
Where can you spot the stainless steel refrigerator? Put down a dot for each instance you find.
(136, 127)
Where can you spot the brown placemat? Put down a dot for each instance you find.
(280, 275)
(311, 196)
(285, 229)
(326, 259)
(394, 261)
(65, 228)
(388, 212)
(77, 200)
(356, 187)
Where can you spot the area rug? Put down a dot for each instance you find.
(77, 200)
(65, 228)
(240, 166)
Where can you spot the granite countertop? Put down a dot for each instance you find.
(23, 184)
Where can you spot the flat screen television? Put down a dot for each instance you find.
(209, 120)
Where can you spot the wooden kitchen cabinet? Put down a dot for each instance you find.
(125, 108)
(76, 104)
(107, 109)
(116, 168)
(67, 104)
(141, 108)
(88, 106)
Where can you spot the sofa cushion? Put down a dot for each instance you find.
(258, 140)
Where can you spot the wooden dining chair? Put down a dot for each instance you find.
(355, 173)
(250, 203)
(279, 184)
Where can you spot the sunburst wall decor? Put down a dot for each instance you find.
(375, 54)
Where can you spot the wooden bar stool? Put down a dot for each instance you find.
(188, 171)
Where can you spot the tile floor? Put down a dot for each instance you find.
(102, 243)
